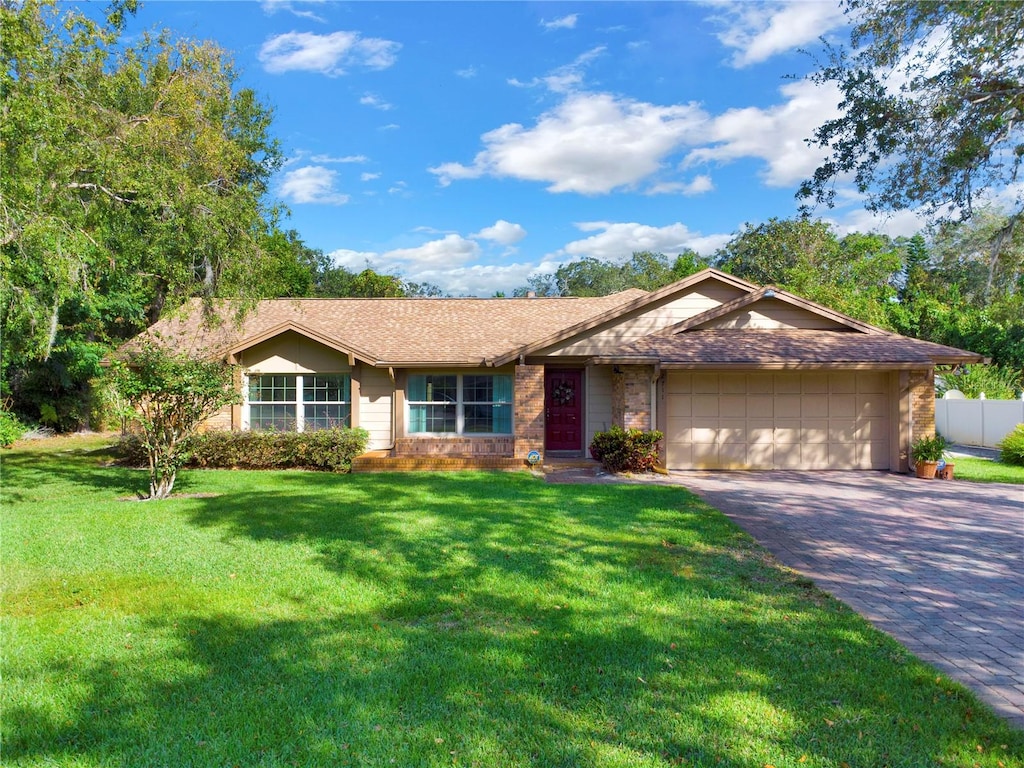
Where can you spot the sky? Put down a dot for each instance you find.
(473, 144)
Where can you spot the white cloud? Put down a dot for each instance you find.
(368, 176)
(375, 101)
(776, 134)
(389, 127)
(565, 78)
(897, 224)
(503, 232)
(565, 22)
(616, 241)
(311, 184)
(698, 186)
(327, 54)
(467, 74)
(592, 143)
(270, 7)
(758, 31)
(343, 159)
(448, 252)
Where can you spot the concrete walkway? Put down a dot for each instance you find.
(938, 565)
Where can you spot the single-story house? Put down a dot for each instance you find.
(736, 375)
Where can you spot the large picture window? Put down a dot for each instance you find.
(299, 402)
(469, 404)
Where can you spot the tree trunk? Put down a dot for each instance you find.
(1001, 238)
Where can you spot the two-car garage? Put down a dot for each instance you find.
(778, 419)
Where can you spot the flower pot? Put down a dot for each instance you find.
(946, 473)
(926, 469)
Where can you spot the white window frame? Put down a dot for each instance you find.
(298, 403)
(460, 406)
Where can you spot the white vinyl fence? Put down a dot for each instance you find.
(977, 422)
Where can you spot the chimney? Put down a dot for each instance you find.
(531, 294)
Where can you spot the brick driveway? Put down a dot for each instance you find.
(938, 565)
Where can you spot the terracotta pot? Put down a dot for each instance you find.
(926, 469)
(946, 473)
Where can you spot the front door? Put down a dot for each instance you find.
(563, 410)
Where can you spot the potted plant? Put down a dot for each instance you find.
(926, 453)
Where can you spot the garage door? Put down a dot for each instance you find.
(833, 420)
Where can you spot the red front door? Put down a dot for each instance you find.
(563, 410)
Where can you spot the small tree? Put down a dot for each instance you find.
(169, 396)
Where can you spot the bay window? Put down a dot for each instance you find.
(464, 404)
(299, 402)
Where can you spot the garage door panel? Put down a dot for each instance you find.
(705, 455)
(843, 454)
(778, 420)
(873, 405)
(815, 456)
(840, 384)
(814, 431)
(761, 431)
(787, 457)
(761, 456)
(814, 383)
(706, 383)
(787, 432)
(732, 406)
(732, 431)
(872, 383)
(733, 456)
(679, 430)
(842, 431)
(733, 384)
(814, 406)
(869, 430)
(842, 406)
(705, 405)
(787, 406)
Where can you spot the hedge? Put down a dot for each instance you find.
(331, 450)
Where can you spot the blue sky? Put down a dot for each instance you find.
(471, 144)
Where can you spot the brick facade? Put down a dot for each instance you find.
(453, 446)
(922, 403)
(528, 410)
(631, 396)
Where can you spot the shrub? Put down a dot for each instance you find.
(626, 450)
(1011, 447)
(929, 448)
(10, 428)
(327, 449)
(997, 382)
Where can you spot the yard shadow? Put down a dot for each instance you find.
(681, 644)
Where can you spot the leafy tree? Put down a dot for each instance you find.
(932, 98)
(169, 397)
(859, 274)
(134, 177)
(593, 277)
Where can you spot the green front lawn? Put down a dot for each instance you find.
(986, 471)
(306, 619)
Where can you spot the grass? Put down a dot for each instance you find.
(986, 471)
(306, 619)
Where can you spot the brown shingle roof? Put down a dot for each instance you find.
(781, 347)
(391, 331)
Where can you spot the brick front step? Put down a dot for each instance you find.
(377, 463)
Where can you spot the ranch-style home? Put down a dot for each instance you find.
(736, 375)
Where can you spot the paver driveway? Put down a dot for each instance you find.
(939, 565)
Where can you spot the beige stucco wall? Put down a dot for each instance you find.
(704, 297)
(598, 400)
(374, 411)
(769, 313)
(290, 352)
